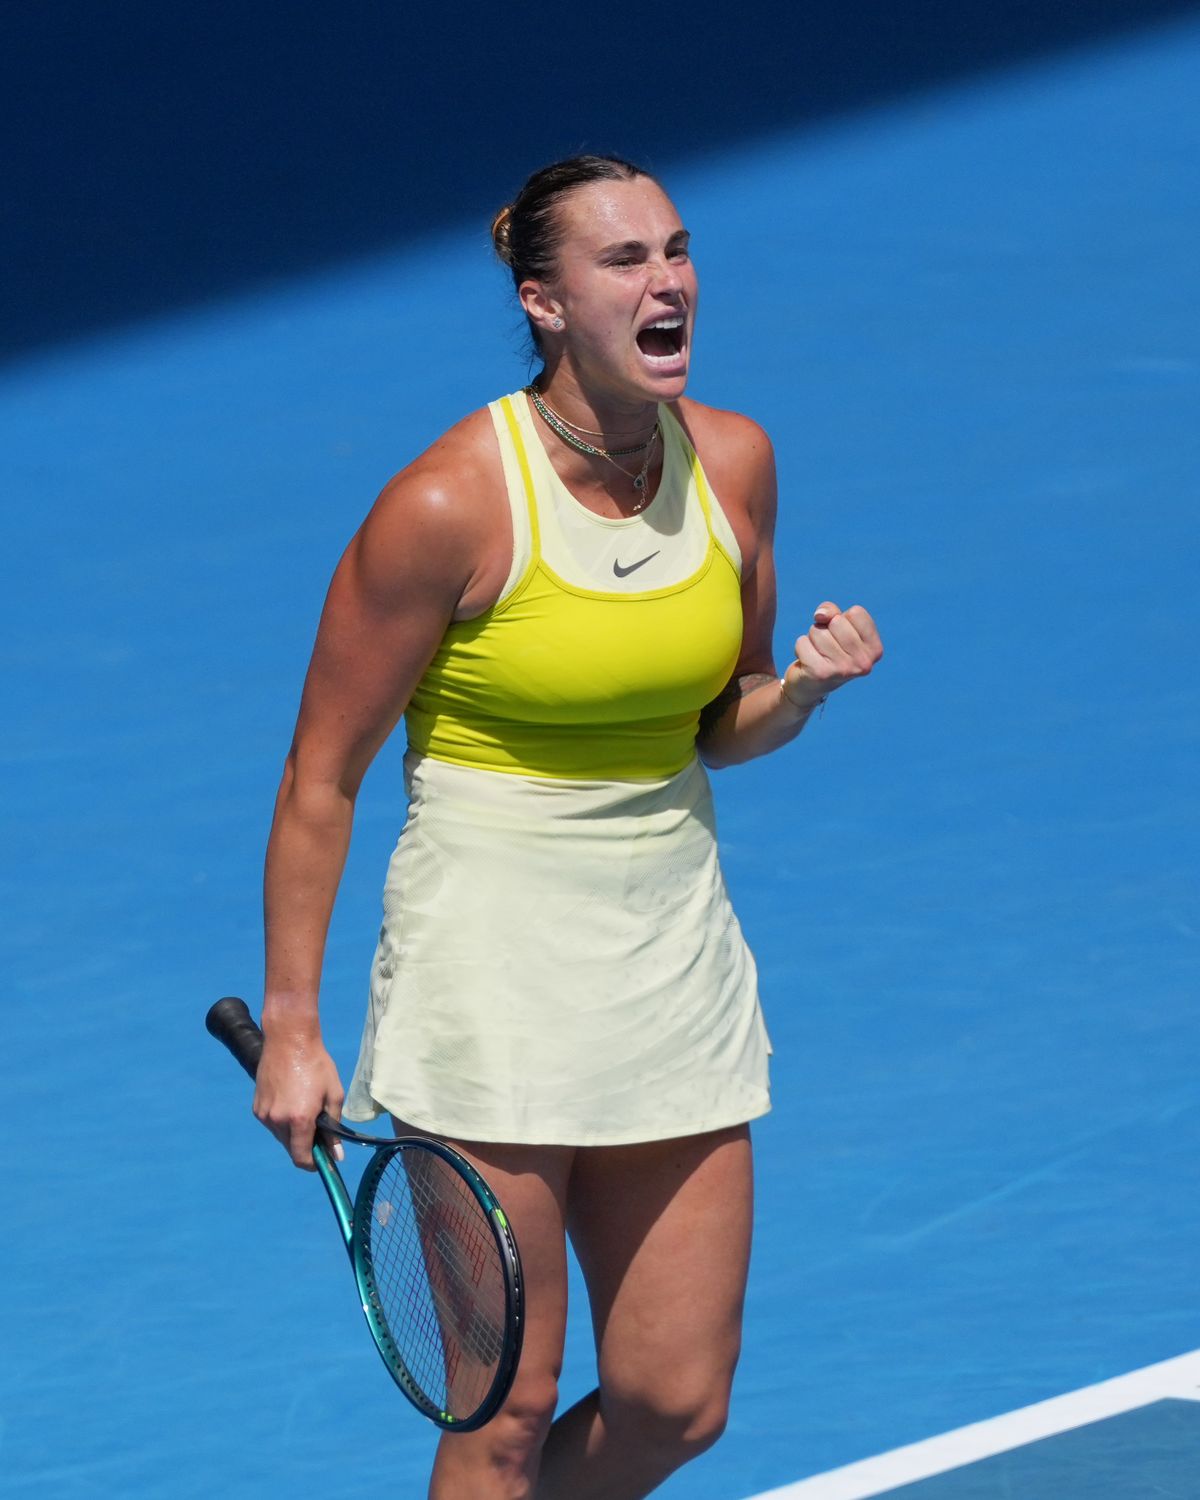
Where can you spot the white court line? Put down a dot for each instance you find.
(1179, 1378)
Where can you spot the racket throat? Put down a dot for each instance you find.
(339, 1198)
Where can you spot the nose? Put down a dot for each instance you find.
(666, 280)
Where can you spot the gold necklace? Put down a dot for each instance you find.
(587, 431)
(556, 425)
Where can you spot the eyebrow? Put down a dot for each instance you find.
(627, 246)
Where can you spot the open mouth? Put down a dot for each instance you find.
(662, 342)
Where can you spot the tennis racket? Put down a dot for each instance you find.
(437, 1267)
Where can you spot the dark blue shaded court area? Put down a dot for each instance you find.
(1149, 1454)
(157, 155)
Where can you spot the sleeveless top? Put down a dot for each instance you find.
(559, 962)
(609, 637)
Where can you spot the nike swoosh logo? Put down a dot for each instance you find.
(633, 567)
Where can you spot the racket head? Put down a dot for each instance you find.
(439, 1275)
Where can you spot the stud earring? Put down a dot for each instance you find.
(558, 323)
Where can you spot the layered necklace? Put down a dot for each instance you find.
(560, 426)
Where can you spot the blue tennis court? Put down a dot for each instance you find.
(968, 315)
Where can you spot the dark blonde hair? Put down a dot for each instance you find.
(528, 232)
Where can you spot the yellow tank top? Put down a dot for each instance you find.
(562, 677)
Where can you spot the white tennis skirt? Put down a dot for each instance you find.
(559, 964)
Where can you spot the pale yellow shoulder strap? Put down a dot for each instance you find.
(697, 470)
(714, 516)
(518, 442)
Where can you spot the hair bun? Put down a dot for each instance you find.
(502, 233)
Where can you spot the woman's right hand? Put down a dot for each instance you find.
(297, 1079)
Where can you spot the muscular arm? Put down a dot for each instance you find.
(757, 711)
(378, 630)
(392, 596)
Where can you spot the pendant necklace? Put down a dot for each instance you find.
(559, 426)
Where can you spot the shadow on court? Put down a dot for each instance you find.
(163, 157)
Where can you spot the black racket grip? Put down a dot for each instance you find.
(230, 1021)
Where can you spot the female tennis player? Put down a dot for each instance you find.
(570, 598)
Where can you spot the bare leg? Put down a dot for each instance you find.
(662, 1231)
(500, 1460)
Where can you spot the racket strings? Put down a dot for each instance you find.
(439, 1281)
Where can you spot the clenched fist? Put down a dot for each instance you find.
(837, 648)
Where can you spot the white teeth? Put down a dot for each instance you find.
(673, 359)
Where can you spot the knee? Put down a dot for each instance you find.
(501, 1458)
(522, 1424)
(691, 1428)
(675, 1421)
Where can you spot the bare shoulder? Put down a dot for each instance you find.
(444, 485)
(732, 430)
(444, 508)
